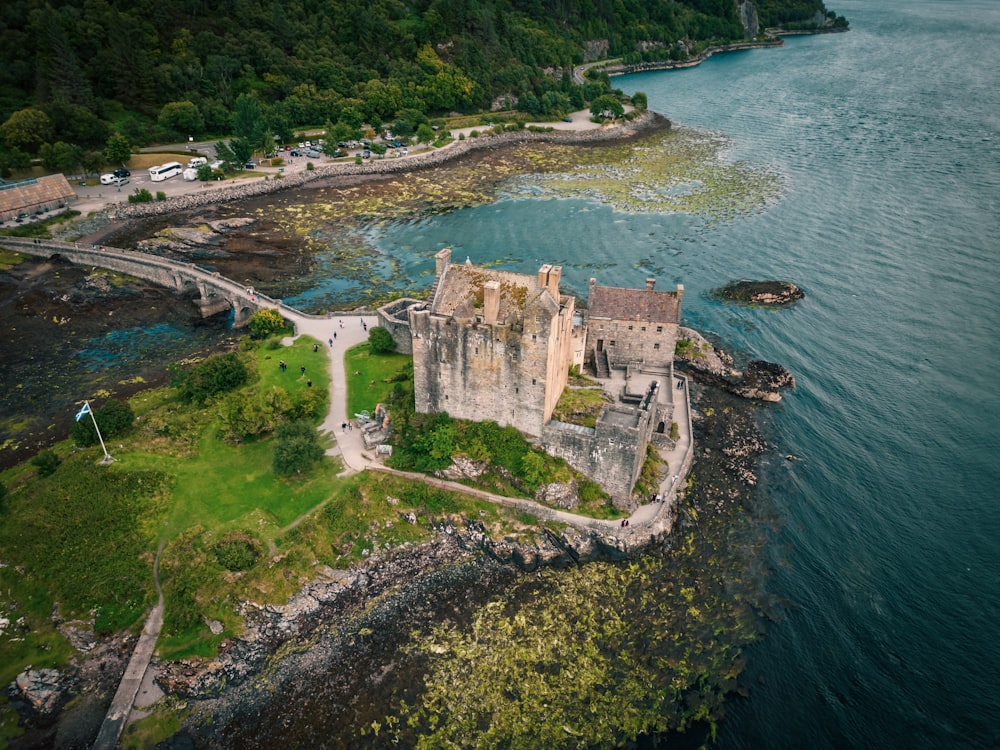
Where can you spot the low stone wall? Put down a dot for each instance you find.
(393, 317)
(454, 150)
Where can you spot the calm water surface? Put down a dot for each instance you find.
(888, 139)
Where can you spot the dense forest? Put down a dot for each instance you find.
(77, 72)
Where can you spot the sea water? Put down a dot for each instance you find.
(887, 139)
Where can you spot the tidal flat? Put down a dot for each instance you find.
(318, 246)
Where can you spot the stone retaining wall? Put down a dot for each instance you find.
(454, 150)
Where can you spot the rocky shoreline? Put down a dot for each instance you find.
(645, 121)
(339, 645)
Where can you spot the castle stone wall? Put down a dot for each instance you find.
(480, 372)
(393, 316)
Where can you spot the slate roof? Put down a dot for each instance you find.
(33, 194)
(646, 305)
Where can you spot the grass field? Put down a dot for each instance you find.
(370, 377)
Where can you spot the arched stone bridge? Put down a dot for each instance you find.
(215, 293)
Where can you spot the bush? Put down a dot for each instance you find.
(217, 374)
(380, 340)
(297, 448)
(160, 195)
(47, 463)
(237, 551)
(141, 195)
(265, 322)
(114, 418)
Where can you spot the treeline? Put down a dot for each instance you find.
(154, 70)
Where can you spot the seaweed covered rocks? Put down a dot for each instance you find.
(759, 292)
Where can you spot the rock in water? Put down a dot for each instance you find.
(763, 379)
(759, 292)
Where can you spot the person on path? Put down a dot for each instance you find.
(303, 369)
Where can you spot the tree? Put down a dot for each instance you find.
(245, 415)
(380, 340)
(606, 106)
(27, 129)
(117, 150)
(182, 118)
(248, 121)
(639, 101)
(425, 133)
(114, 418)
(60, 156)
(265, 322)
(217, 374)
(297, 448)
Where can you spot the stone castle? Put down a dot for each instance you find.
(495, 345)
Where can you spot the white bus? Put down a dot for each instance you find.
(165, 171)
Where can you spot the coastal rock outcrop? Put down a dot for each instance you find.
(45, 690)
(759, 292)
(709, 364)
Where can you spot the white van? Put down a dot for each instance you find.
(190, 174)
(197, 162)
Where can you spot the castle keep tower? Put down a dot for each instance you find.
(492, 344)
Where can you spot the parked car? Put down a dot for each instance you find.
(313, 153)
(295, 152)
(121, 172)
(249, 165)
(119, 181)
(108, 178)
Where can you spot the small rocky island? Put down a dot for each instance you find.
(759, 292)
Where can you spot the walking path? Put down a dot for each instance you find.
(649, 520)
(121, 704)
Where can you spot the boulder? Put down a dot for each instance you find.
(44, 689)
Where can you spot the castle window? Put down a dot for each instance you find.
(656, 345)
(446, 397)
(643, 328)
(534, 337)
(477, 350)
(533, 381)
(611, 343)
(659, 329)
(516, 390)
(630, 328)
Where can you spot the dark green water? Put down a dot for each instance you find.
(888, 142)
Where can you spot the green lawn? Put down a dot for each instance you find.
(370, 376)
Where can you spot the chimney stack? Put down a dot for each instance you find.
(543, 275)
(491, 302)
(555, 274)
(650, 283)
(442, 260)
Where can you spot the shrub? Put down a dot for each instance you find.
(47, 462)
(381, 340)
(217, 374)
(160, 195)
(114, 418)
(265, 322)
(297, 448)
(309, 166)
(141, 195)
(237, 551)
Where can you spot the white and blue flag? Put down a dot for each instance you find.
(84, 411)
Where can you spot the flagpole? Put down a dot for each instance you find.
(107, 457)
